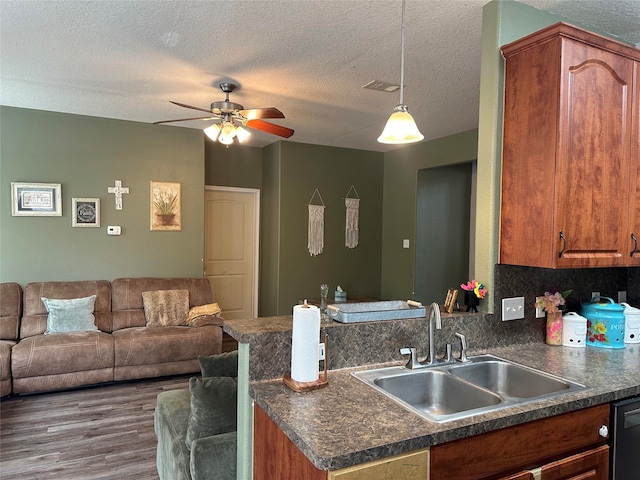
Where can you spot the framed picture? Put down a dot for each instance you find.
(86, 212)
(165, 208)
(36, 199)
(450, 301)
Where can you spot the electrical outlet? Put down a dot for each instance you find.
(512, 308)
(540, 313)
(595, 294)
(622, 296)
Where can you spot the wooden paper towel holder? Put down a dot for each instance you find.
(322, 381)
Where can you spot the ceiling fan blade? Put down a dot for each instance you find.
(185, 119)
(254, 113)
(270, 128)
(190, 106)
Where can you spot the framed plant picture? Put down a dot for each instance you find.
(86, 212)
(165, 209)
(36, 199)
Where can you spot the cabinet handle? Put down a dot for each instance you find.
(604, 431)
(564, 244)
(635, 245)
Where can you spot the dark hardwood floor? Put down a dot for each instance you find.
(103, 432)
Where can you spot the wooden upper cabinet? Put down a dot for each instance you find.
(570, 150)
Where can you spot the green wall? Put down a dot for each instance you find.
(236, 166)
(85, 155)
(399, 211)
(291, 173)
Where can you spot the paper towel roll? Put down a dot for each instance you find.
(304, 343)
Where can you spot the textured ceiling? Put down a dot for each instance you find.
(127, 59)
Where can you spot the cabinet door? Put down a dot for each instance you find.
(633, 255)
(591, 465)
(594, 157)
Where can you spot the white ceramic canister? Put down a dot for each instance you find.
(574, 330)
(632, 324)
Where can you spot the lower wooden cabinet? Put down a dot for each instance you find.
(562, 447)
(511, 450)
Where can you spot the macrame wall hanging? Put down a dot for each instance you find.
(315, 241)
(352, 215)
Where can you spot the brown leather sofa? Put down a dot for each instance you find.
(123, 347)
(10, 313)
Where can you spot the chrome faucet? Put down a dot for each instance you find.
(435, 322)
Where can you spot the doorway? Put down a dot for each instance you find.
(444, 250)
(231, 249)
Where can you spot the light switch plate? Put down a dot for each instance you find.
(512, 308)
(622, 296)
(405, 243)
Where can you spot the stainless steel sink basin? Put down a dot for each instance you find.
(449, 392)
(510, 379)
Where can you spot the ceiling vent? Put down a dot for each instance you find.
(382, 86)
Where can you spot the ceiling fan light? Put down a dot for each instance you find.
(212, 132)
(227, 132)
(242, 134)
(400, 128)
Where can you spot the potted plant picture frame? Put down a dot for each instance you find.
(166, 208)
(85, 212)
(36, 199)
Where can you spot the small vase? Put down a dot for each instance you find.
(554, 328)
(471, 301)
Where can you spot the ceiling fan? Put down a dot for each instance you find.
(230, 118)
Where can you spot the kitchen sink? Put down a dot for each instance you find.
(486, 383)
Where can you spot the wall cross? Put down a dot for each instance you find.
(118, 190)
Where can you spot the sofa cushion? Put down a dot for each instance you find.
(223, 365)
(213, 407)
(70, 315)
(34, 318)
(163, 308)
(63, 353)
(128, 310)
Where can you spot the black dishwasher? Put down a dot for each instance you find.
(625, 439)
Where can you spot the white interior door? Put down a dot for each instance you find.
(231, 249)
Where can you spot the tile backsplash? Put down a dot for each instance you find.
(530, 282)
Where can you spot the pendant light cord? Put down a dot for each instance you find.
(402, 58)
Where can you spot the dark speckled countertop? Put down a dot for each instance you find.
(347, 422)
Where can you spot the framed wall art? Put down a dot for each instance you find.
(166, 211)
(36, 199)
(86, 212)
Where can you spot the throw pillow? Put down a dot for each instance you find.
(70, 315)
(213, 407)
(222, 365)
(165, 307)
(208, 310)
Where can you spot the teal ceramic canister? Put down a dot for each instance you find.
(605, 323)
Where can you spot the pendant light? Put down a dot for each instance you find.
(401, 128)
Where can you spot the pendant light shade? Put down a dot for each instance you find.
(401, 128)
